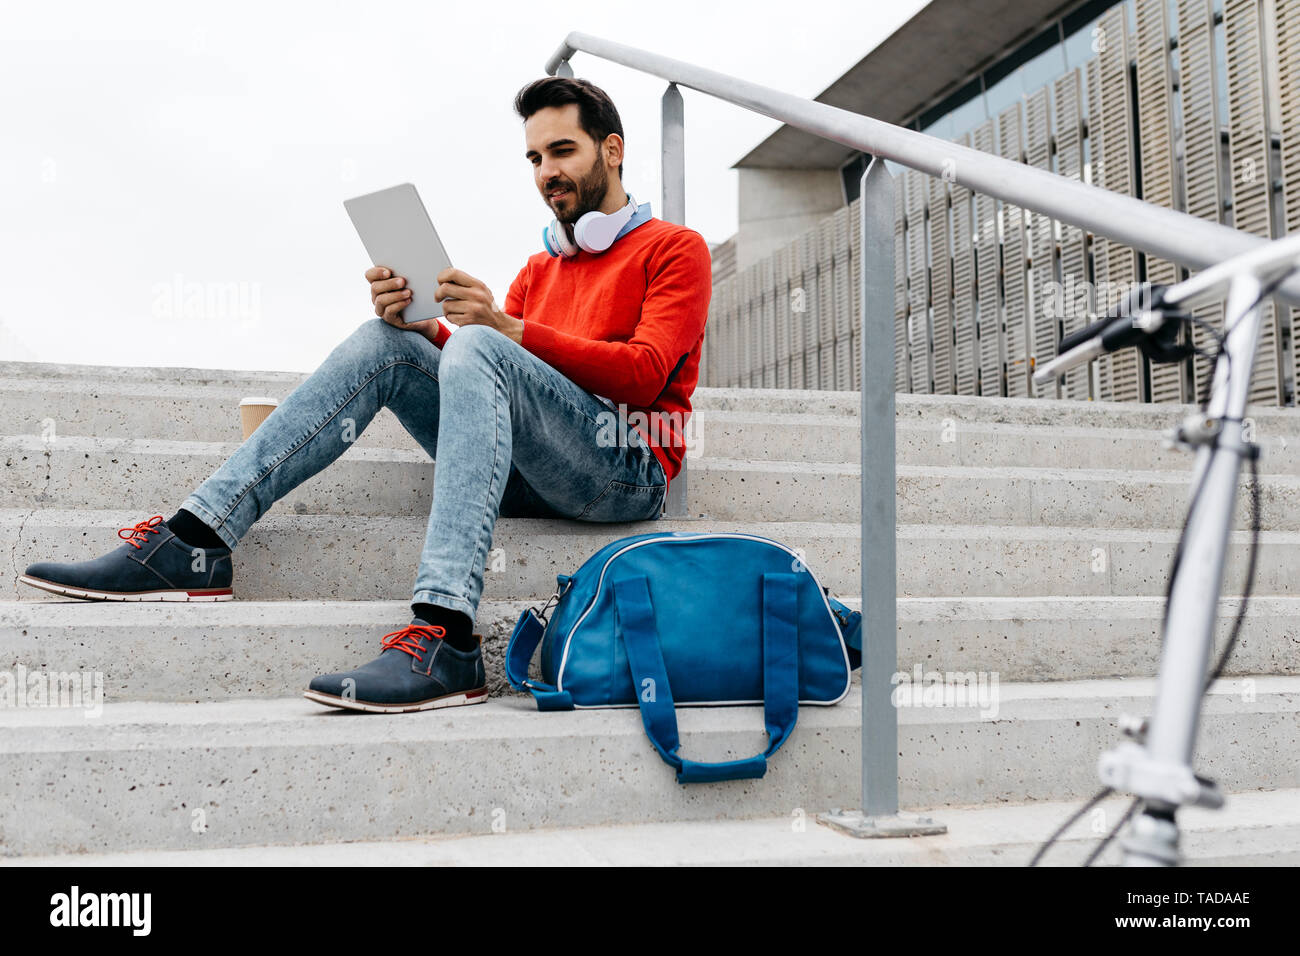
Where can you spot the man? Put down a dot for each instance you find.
(537, 409)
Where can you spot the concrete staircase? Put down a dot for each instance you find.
(1034, 541)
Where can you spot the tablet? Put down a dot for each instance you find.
(397, 232)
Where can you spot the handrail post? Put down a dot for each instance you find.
(879, 816)
(673, 168)
(879, 564)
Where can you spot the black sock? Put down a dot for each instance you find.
(194, 532)
(456, 624)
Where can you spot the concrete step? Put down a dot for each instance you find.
(1253, 828)
(974, 444)
(154, 775)
(780, 400)
(214, 652)
(310, 557)
(156, 474)
(153, 474)
(53, 409)
(797, 425)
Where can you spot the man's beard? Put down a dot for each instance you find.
(589, 193)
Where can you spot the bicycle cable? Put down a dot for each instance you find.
(1114, 831)
(1100, 795)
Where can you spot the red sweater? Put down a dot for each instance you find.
(626, 324)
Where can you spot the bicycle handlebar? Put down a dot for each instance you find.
(1139, 318)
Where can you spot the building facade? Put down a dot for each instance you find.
(1189, 104)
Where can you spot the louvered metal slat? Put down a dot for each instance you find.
(808, 318)
(843, 364)
(855, 360)
(753, 375)
(787, 280)
(988, 270)
(707, 351)
(1250, 181)
(940, 286)
(736, 370)
(758, 328)
(1097, 244)
(781, 298)
(727, 332)
(1155, 116)
(1042, 244)
(767, 296)
(843, 285)
(825, 281)
(735, 351)
(797, 318)
(1074, 269)
(721, 333)
(765, 322)
(1202, 165)
(902, 358)
(965, 354)
(825, 294)
(763, 338)
(727, 371)
(1117, 175)
(911, 234)
(738, 340)
(918, 293)
(744, 331)
(843, 281)
(1287, 16)
(715, 335)
(1014, 270)
(855, 284)
(826, 363)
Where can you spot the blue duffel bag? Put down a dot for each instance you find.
(690, 618)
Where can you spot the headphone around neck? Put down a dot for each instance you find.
(593, 232)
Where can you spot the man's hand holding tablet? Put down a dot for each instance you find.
(466, 301)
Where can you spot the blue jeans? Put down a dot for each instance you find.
(510, 435)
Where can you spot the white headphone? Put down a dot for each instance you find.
(593, 232)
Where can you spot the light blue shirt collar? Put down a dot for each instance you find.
(640, 217)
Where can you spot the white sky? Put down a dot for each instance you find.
(151, 149)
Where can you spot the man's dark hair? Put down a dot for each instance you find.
(596, 113)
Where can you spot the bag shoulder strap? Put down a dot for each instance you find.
(635, 624)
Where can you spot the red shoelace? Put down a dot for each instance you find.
(141, 531)
(408, 638)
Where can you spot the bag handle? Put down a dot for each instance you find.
(635, 625)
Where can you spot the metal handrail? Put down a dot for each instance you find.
(1177, 236)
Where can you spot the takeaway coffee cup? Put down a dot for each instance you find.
(253, 411)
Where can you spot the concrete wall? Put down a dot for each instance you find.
(779, 205)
